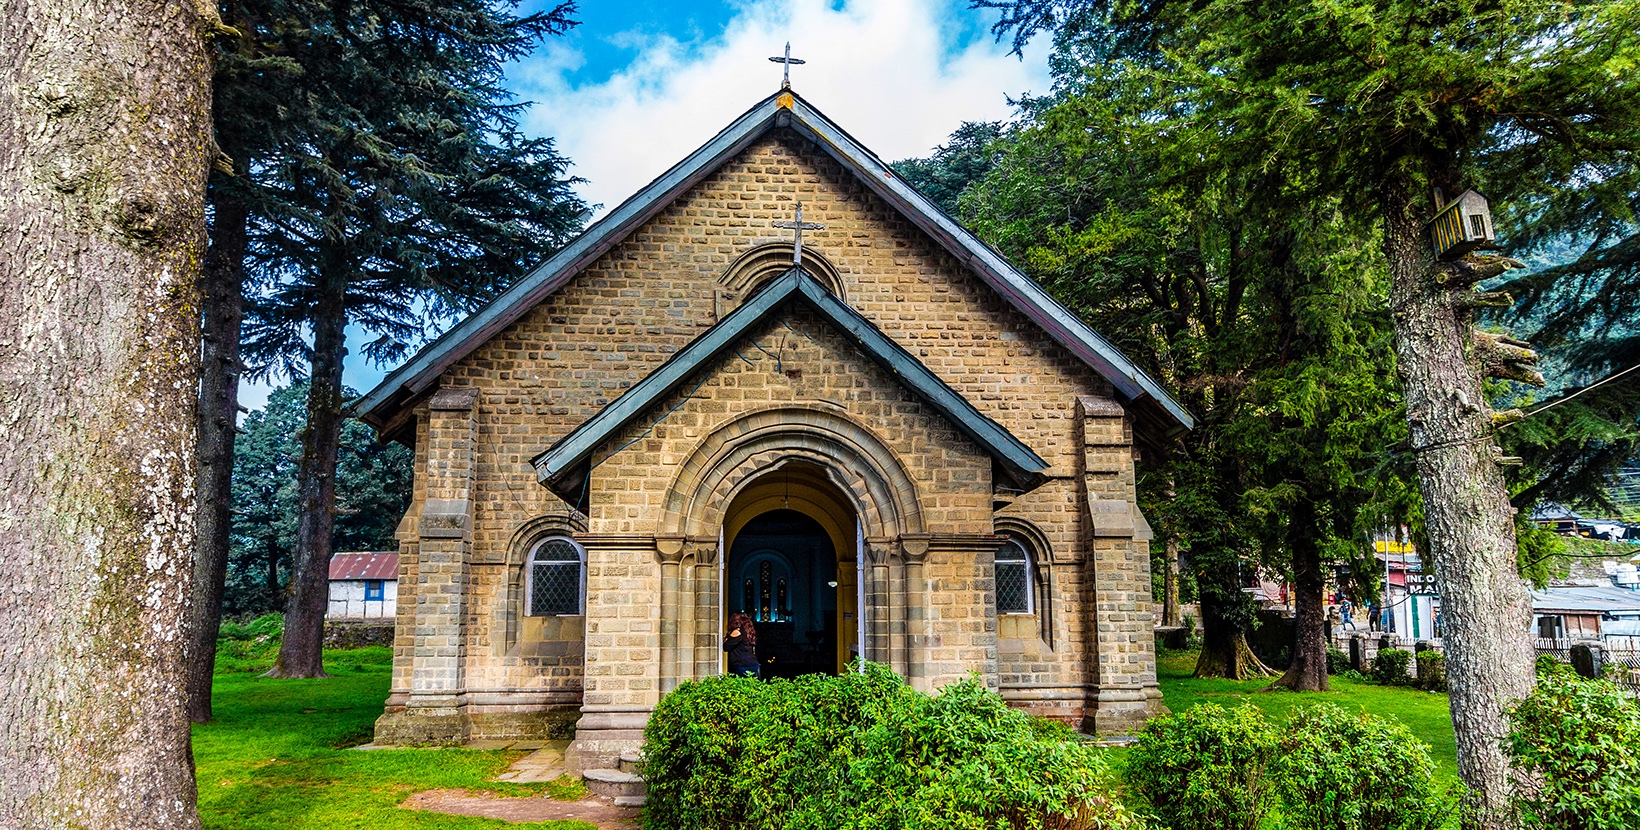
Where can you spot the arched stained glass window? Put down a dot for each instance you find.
(555, 578)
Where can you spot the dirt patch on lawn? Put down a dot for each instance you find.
(595, 811)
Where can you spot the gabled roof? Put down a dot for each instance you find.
(784, 109)
(364, 565)
(563, 468)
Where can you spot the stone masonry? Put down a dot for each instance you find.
(888, 474)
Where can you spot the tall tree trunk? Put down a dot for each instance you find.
(1466, 506)
(1225, 652)
(105, 142)
(301, 652)
(1170, 581)
(1308, 671)
(220, 319)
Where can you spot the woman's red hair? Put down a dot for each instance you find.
(743, 621)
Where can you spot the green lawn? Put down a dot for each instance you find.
(277, 757)
(1427, 714)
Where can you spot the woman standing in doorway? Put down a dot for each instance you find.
(741, 645)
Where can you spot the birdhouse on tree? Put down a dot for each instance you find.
(1461, 226)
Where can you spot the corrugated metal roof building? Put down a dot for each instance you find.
(364, 585)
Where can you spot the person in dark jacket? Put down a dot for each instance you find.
(741, 645)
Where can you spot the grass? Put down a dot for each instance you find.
(278, 756)
(1427, 714)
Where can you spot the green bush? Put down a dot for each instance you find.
(865, 751)
(1337, 769)
(267, 625)
(1578, 738)
(248, 646)
(1432, 671)
(1337, 661)
(1390, 667)
(1204, 768)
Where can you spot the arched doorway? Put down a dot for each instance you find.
(790, 562)
(782, 570)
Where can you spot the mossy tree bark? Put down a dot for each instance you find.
(104, 146)
(220, 319)
(1484, 603)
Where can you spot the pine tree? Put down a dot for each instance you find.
(1268, 324)
(1388, 102)
(384, 184)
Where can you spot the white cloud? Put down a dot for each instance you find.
(881, 69)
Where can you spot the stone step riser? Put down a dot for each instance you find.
(614, 783)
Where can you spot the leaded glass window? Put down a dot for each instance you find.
(1013, 579)
(555, 579)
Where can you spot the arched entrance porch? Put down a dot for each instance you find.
(790, 564)
(826, 467)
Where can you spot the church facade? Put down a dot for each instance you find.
(899, 449)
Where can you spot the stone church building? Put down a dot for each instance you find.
(900, 449)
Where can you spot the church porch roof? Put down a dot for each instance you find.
(565, 466)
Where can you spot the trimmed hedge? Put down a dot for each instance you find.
(865, 751)
(1204, 768)
(1578, 737)
(1336, 768)
(1390, 667)
(1431, 671)
(1329, 769)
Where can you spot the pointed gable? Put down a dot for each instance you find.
(784, 109)
(563, 467)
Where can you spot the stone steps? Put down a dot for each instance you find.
(630, 760)
(626, 788)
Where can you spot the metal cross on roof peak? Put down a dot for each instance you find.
(799, 226)
(788, 60)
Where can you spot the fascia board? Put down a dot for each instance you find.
(1019, 290)
(577, 447)
(425, 367)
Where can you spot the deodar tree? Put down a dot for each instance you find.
(104, 144)
(391, 188)
(1387, 102)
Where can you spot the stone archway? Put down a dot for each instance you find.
(847, 479)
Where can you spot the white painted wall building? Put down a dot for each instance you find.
(363, 585)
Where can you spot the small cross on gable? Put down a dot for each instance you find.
(799, 226)
(788, 60)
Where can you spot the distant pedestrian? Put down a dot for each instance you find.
(1344, 609)
(741, 645)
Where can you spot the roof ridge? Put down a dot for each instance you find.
(784, 108)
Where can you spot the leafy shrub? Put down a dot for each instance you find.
(1352, 674)
(248, 646)
(1337, 769)
(1204, 768)
(1578, 737)
(1390, 667)
(267, 625)
(1432, 671)
(1337, 661)
(865, 751)
(1548, 666)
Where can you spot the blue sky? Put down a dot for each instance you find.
(641, 83)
